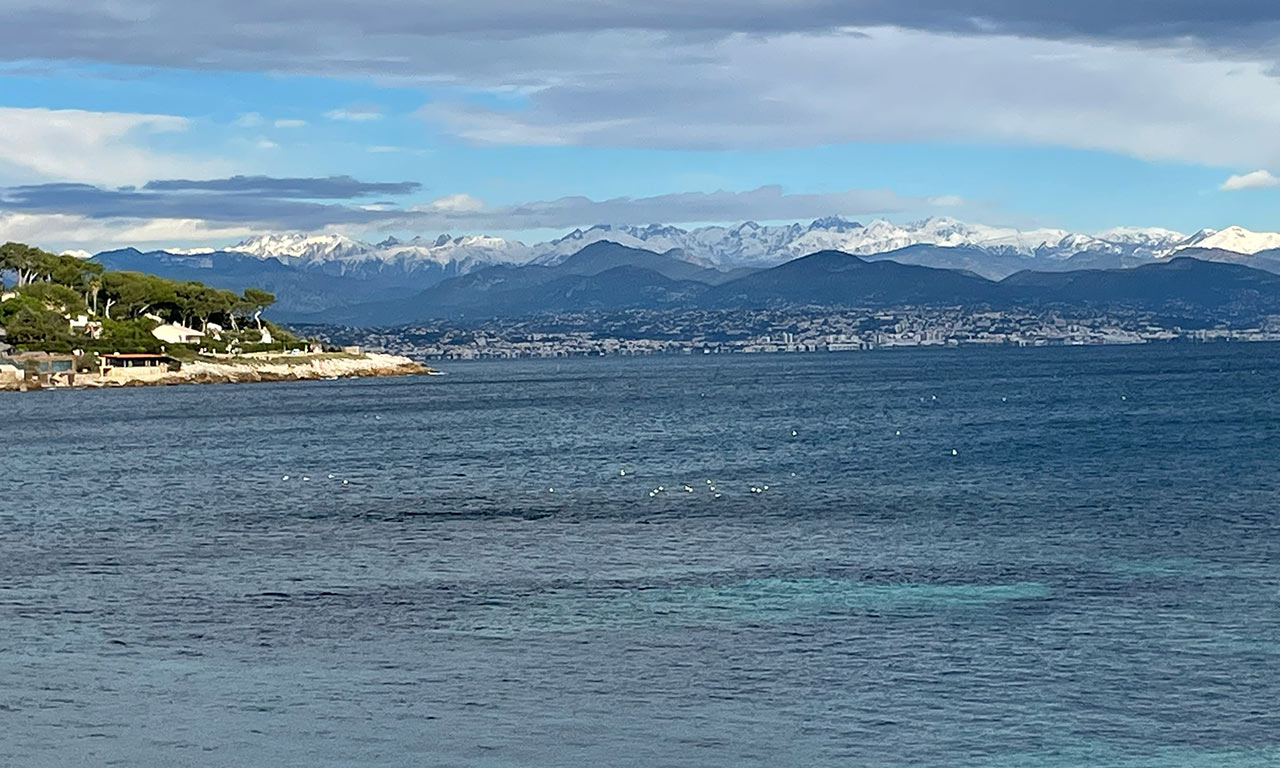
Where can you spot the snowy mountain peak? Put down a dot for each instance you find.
(1146, 236)
(990, 250)
(1234, 238)
(299, 247)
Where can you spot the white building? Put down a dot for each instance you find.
(173, 333)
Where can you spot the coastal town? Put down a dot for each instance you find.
(649, 332)
(65, 321)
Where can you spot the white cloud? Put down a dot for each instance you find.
(248, 120)
(98, 147)
(1185, 81)
(290, 123)
(1255, 180)
(884, 84)
(456, 203)
(355, 114)
(213, 219)
(265, 143)
(769, 203)
(71, 232)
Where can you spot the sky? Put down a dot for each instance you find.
(151, 123)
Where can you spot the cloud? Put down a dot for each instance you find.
(248, 120)
(109, 147)
(355, 114)
(330, 187)
(266, 204)
(893, 85)
(260, 202)
(457, 204)
(289, 123)
(86, 200)
(1160, 79)
(762, 204)
(1255, 180)
(60, 231)
(414, 38)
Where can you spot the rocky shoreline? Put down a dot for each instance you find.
(243, 369)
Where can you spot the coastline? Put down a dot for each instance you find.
(241, 370)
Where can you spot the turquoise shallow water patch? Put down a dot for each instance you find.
(763, 596)
(770, 600)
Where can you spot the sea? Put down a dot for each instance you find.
(1002, 557)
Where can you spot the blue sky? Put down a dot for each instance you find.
(526, 121)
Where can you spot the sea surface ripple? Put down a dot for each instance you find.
(1034, 558)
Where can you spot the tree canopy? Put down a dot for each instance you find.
(52, 289)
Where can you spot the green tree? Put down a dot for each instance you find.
(256, 301)
(72, 272)
(31, 325)
(133, 293)
(27, 263)
(57, 298)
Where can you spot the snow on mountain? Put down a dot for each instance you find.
(1154, 238)
(344, 254)
(558, 250)
(1234, 239)
(306, 248)
(748, 244)
(468, 251)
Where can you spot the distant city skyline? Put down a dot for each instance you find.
(170, 125)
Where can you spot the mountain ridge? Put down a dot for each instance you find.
(1184, 286)
(723, 247)
(992, 251)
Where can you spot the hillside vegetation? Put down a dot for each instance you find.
(63, 303)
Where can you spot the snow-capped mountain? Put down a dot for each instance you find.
(341, 254)
(444, 250)
(1234, 239)
(1154, 238)
(306, 248)
(312, 273)
(755, 245)
(750, 244)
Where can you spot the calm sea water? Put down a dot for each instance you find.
(1044, 557)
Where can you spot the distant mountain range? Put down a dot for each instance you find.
(337, 278)
(602, 277)
(743, 245)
